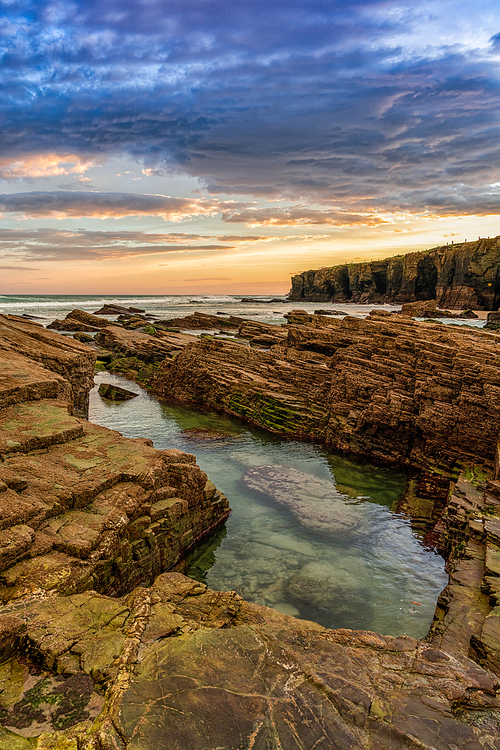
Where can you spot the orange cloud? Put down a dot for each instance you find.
(45, 165)
(77, 204)
(299, 216)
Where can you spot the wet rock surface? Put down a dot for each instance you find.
(180, 666)
(80, 506)
(115, 392)
(86, 514)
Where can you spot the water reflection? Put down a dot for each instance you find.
(311, 534)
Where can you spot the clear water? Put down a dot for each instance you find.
(375, 576)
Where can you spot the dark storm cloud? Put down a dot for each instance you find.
(305, 99)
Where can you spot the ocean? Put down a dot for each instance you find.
(263, 308)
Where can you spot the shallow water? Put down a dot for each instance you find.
(372, 574)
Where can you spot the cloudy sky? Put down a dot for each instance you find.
(151, 146)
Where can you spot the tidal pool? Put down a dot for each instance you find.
(311, 533)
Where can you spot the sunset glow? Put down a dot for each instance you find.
(170, 147)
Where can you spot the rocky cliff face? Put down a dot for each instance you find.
(458, 276)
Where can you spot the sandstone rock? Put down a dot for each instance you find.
(174, 665)
(142, 346)
(110, 309)
(386, 387)
(181, 666)
(459, 277)
(204, 321)
(76, 499)
(428, 309)
(59, 364)
(84, 338)
(115, 392)
(78, 320)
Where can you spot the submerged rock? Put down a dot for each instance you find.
(205, 433)
(315, 502)
(336, 595)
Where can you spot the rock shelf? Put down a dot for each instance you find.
(102, 650)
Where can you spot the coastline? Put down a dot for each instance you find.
(365, 702)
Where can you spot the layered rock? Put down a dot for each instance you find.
(387, 387)
(465, 276)
(81, 507)
(57, 355)
(78, 320)
(182, 666)
(85, 513)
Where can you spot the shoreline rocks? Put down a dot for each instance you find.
(81, 506)
(386, 387)
(101, 653)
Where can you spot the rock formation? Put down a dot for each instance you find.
(80, 506)
(421, 394)
(464, 276)
(88, 662)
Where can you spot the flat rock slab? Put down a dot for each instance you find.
(314, 502)
(34, 425)
(180, 666)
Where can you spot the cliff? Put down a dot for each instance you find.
(465, 276)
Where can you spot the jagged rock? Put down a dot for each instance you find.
(464, 276)
(84, 338)
(204, 321)
(110, 309)
(330, 312)
(386, 387)
(261, 334)
(142, 346)
(428, 309)
(78, 320)
(115, 392)
(66, 366)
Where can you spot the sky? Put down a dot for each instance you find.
(221, 146)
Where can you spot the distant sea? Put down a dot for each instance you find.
(46, 308)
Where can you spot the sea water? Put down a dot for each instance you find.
(380, 576)
(46, 308)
